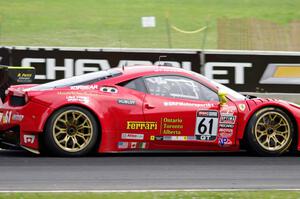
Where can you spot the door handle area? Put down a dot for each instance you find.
(149, 106)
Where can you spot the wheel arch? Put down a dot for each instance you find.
(97, 118)
(295, 142)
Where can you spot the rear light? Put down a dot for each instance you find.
(16, 97)
(17, 100)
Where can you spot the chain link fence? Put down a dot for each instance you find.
(256, 34)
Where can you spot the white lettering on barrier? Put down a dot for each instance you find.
(81, 67)
(67, 68)
(239, 71)
(52, 68)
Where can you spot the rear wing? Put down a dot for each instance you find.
(10, 75)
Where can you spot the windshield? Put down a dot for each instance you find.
(231, 92)
(85, 79)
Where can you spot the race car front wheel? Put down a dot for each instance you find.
(71, 131)
(270, 132)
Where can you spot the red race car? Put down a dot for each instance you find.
(144, 108)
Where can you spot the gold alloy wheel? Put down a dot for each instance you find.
(272, 131)
(72, 130)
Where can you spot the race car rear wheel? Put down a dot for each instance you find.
(270, 132)
(71, 131)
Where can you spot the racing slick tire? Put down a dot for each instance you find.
(270, 132)
(71, 131)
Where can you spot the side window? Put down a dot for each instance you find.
(179, 87)
(134, 84)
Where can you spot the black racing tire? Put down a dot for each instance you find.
(270, 132)
(71, 132)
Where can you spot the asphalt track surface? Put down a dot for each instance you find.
(22, 171)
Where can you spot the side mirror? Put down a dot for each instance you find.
(222, 96)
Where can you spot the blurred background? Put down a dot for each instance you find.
(189, 24)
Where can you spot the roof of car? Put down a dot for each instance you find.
(136, 69)
(131, 72)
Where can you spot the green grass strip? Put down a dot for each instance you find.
(117, 23)
(160, 195)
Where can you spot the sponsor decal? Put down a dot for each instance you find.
(138, 125)
(29, 139)
(126, 101)
(107, 89)
(122, 145)
(242, 107)
(171, 126)
(84, 87)
(159, 138)
(24, 77)
(168, 138)
(224, 141)
(78, 93)
(207, 114)
(225, 132)
(17, 117)
(188, 104)
(83, 99)
(6, 118)
(206, 125)
(132, 136)
(228, 109)
(229, 126)
(281, 74)
(227, 119)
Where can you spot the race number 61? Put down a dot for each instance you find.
(206, 125)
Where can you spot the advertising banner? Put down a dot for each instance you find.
(244, 71)
(52, 64)
(272, 73)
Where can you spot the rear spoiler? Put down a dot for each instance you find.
(10, 75)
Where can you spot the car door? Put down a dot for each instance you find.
(186, 112)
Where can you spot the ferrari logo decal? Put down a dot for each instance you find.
(140, 125)
(242, 107)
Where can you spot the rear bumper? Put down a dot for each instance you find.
(22, 125)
